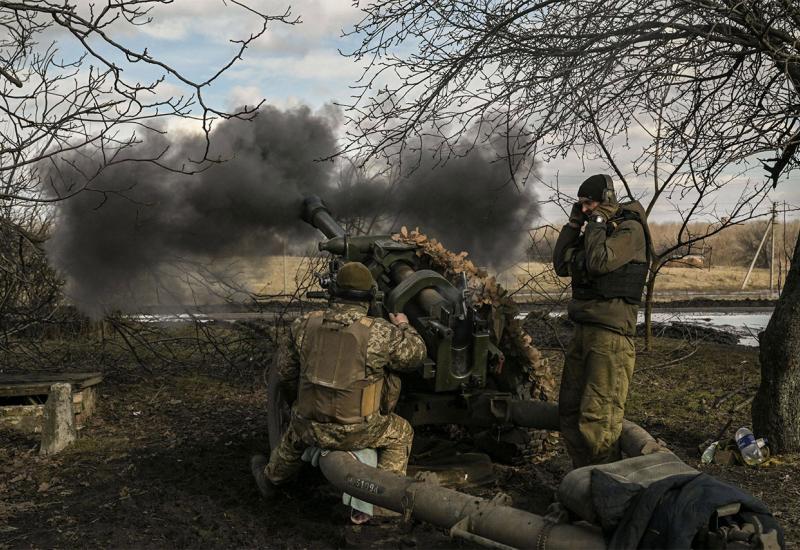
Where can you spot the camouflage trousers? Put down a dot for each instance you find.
(598, 367)
(390, 435)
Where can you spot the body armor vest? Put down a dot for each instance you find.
(626, 282)
(334, 383)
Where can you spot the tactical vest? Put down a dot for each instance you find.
(334, 383)
(626, 282)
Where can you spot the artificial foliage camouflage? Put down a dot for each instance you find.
(507, 331)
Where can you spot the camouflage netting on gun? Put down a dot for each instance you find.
(520, 355)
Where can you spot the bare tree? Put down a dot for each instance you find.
(726, 72)
(29, 288)
(93, 107)
(718, 80)
(694, 197)
(51, 106)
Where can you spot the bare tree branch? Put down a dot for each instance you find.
(568, 69)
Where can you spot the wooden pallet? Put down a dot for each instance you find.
(28, 417)
(38, 383)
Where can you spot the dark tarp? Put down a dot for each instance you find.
(670, 512)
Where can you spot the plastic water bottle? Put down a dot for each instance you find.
(708, 455)
(748, 446)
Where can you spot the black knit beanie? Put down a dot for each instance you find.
(593, 187)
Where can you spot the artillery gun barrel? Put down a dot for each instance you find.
(492, 523)
(317, 214)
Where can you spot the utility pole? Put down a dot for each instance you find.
(284, 267)
(758, 251)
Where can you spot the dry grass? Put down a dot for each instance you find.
(722, 278)
(716, 279)
(277, 275)
(274, 275)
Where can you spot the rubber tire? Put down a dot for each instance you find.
(278, 407)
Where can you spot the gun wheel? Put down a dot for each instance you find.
(279, 410)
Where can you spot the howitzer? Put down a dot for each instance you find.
(456, 333)
(464, 379)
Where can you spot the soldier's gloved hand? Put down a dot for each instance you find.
(398, 319)
(605, 210)
(576, 215)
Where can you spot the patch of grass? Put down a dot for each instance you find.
(694, 397)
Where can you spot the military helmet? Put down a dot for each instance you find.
(354, 276)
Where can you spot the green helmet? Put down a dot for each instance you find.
(354, 276)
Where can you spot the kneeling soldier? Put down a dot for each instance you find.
(339, 360)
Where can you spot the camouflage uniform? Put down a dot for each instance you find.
(388, 347)
(599, 360)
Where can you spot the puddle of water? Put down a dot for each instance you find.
(745, 325)
(169, 318)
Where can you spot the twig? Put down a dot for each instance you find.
(130, 345)
(720, 400)
(744, 403)
(555, 333)
(14, 80)
(724, 429)
(669, 363)
(155, 396)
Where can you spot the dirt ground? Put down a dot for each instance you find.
(164, 460)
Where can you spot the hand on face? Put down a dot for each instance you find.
(605, 210)
(592, 208)
(576, 215)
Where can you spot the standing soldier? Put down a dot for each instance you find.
(608, 264)
(338, 360)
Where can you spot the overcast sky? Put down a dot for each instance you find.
(301, 64)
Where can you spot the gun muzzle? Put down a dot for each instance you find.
(317, 214)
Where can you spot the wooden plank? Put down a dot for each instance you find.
(47, 376)
(39, 383)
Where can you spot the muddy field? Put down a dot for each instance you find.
(164, 460)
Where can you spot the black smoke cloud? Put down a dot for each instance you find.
(469, 203)
(114, 241)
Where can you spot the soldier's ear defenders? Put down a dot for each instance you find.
(608, 193)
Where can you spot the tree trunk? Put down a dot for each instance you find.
(655, 266)
(776, 408)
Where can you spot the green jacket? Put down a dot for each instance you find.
(607, 249)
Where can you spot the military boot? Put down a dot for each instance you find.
(258, 465)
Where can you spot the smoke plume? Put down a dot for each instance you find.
(140, 225)
(469, 203)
